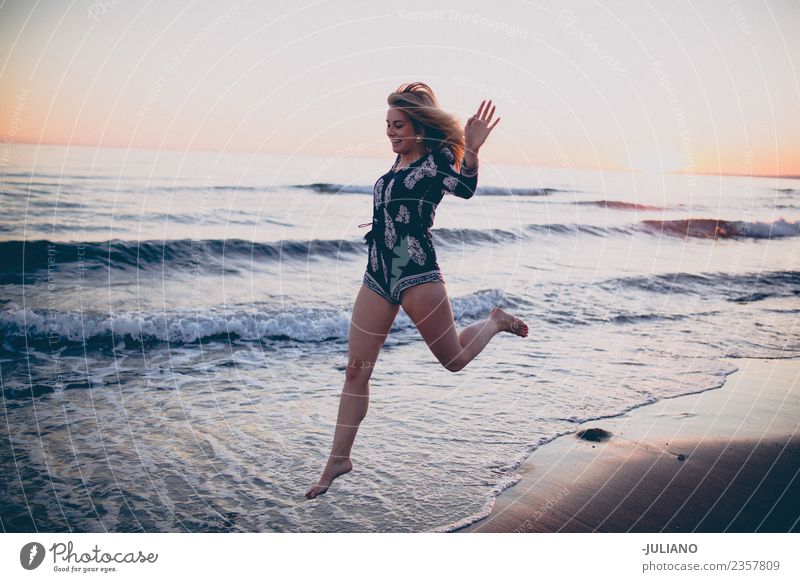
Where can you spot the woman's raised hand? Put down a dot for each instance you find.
(477, 128)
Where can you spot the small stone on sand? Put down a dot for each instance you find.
(594, 434)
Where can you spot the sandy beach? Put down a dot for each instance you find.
(724, 460)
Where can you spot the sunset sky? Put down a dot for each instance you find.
(709, 86)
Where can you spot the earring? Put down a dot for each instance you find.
(419, 139)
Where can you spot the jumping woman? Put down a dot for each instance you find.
(434, 157)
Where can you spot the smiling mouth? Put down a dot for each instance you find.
(395, 141)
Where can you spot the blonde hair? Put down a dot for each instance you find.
(439, 127)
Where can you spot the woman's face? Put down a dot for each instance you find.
(400, 132)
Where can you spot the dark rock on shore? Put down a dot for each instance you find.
(594, 434)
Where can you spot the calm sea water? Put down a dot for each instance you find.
(174, 331)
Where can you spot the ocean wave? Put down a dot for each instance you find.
(329, 188)
(179, 326)
(67, 182)
(620, 205)
(577, 228)
(32, 327)
(500, 191)
(741, 288)
(458, 236)
(718, 228)
(17, 257)
(59, 177)
(26, 258)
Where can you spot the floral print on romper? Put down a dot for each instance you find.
(401, 252)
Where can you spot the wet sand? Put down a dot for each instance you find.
(724, 460)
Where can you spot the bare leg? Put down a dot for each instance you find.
(370, 324)
(429, 308)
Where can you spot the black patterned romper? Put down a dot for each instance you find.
(401, 252)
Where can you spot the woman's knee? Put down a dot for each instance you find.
(456, 364)
(358, 371)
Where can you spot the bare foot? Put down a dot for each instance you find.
(335, 468)
(509, 323)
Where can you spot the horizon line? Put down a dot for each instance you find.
(677, 172)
